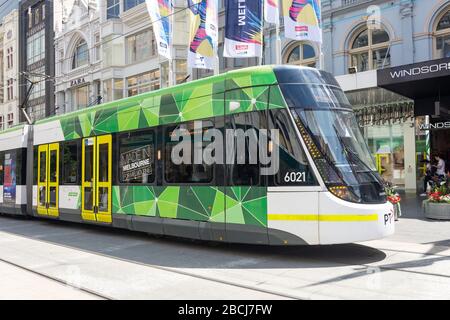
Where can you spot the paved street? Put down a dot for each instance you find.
(70, 261)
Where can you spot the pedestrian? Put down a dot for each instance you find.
(428, 177)
(440, 167)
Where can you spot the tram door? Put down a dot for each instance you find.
(48, 180)
(97, 179)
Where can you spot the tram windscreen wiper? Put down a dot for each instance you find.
(352, 156)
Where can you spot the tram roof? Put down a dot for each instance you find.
(241, 78)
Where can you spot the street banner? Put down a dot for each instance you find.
(160, 11)
(203, 17)
(243, 28)
(302, 20)
(272, 11)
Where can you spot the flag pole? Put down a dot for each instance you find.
(278, 43)
(172, 78)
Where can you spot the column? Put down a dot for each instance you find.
(406, 13)
(409, 136)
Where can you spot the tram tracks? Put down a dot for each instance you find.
(274, 293)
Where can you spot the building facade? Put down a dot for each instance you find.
(36, 58)
(9, 48)
(361, 37)
(78, 58)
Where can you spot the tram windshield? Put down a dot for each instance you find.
(343, 158)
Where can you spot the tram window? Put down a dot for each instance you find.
(70, 163)
(244, 167)
(21, 156)
(2, 160)
(43, 167)
(137, 158)
(189, 171)
(35, 165)
(89, 163)
(294, 168)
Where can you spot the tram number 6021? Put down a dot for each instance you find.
(292, 177)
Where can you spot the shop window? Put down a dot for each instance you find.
(81, 55)
(442, 36)
(10, 119)
(188, 171)
(97, 48)
(369, 50)
(128, 4)
(137, 158)
(301, 54)
(143, 83)
(80, 97)
(141, 46)
(10, 88)
(112, 9)
(10, 57)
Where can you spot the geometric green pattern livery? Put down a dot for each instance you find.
(239, 205)
(249, 91)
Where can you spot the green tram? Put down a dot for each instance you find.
(112, 164)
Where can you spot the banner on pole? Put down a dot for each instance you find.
(302, 20)
(243, 29)
(203, 17)
(272, 11)
(160, 11)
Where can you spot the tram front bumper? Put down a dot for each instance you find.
(345, 222)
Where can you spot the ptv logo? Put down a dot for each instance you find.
(388, 217)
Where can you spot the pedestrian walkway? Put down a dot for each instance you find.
(17, 283)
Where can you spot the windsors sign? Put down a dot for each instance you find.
(413, 72)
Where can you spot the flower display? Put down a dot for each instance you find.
(439, 195)
(394, 198)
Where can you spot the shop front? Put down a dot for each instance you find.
(427, 84)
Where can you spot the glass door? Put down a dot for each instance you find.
(104, 179)
(53, 180)
(97, 179)
(42, 179)
(48, 180)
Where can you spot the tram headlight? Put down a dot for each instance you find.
(344, 193)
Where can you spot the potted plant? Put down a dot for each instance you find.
(394, 198)
(437, 206)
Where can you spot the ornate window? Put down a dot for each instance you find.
(81, 55)
(369, 49)
(442, 36)
(301, 54)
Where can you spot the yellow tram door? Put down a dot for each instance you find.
(48, 180)
(42, 180)
(97, 179)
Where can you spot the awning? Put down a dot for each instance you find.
(424, 80)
